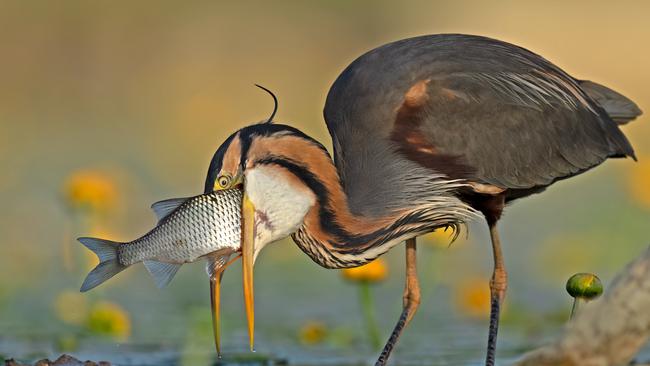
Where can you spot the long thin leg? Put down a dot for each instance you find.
(411, 300)
(498, 286)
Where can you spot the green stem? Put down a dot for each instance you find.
(368, 308)
(574, 308)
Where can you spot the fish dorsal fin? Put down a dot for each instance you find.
(161, 272)
(165, 207)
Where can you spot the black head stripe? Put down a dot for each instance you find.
(216, 163)
(266, 130)
(343, 241)
(246, 136)
(327, 218)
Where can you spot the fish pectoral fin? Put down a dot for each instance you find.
(165, 207)
(161, 272)
(215, 264)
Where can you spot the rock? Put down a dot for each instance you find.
(67, 360)
(63, 360)
(12, 362)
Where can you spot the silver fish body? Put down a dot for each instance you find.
(199, 226)
(208, 225)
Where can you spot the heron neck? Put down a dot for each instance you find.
(334, 234)
(334, 237)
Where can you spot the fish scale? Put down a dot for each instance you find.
(207, 225)
(189, 233)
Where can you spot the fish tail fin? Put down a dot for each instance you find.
(108, 266)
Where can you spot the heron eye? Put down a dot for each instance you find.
(224, 181)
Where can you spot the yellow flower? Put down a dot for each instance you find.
(313, 333)
(374, 271)
(109, 319)
(90, 190)
(639, 181)
(473, 297)
(71, 307)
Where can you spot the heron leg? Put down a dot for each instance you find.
(411, 300)
(498, 286)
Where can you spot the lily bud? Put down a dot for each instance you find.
(584, 286)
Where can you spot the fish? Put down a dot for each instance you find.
(188, 229)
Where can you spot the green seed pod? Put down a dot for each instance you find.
(585, 286)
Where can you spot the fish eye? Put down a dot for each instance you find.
(224, 181)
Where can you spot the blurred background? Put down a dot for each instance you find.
(107, 107)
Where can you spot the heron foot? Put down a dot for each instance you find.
(499, 284)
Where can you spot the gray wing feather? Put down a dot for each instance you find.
(516, 139)
(621, 109)
(513, 117)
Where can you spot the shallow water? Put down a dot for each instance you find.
(435, 337)
(172, 326)
(432, 339)
(158, 355)
(152, 355)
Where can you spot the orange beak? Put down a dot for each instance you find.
(215, 303)
(247, 250)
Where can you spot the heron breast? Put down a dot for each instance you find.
(281, 202)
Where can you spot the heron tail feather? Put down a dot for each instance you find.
(620, 108)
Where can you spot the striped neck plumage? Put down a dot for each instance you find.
(335, 238)
(355, 249)
(336, 235)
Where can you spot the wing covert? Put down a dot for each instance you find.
(493, 113)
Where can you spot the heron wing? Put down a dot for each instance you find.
(510, 130)
(469, 107)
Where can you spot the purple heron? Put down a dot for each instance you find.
(427, 132)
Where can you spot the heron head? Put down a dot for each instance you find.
(268, 162)
(272, 164)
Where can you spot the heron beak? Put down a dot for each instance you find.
(215, 302)
(215, 278)
(247, 250)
